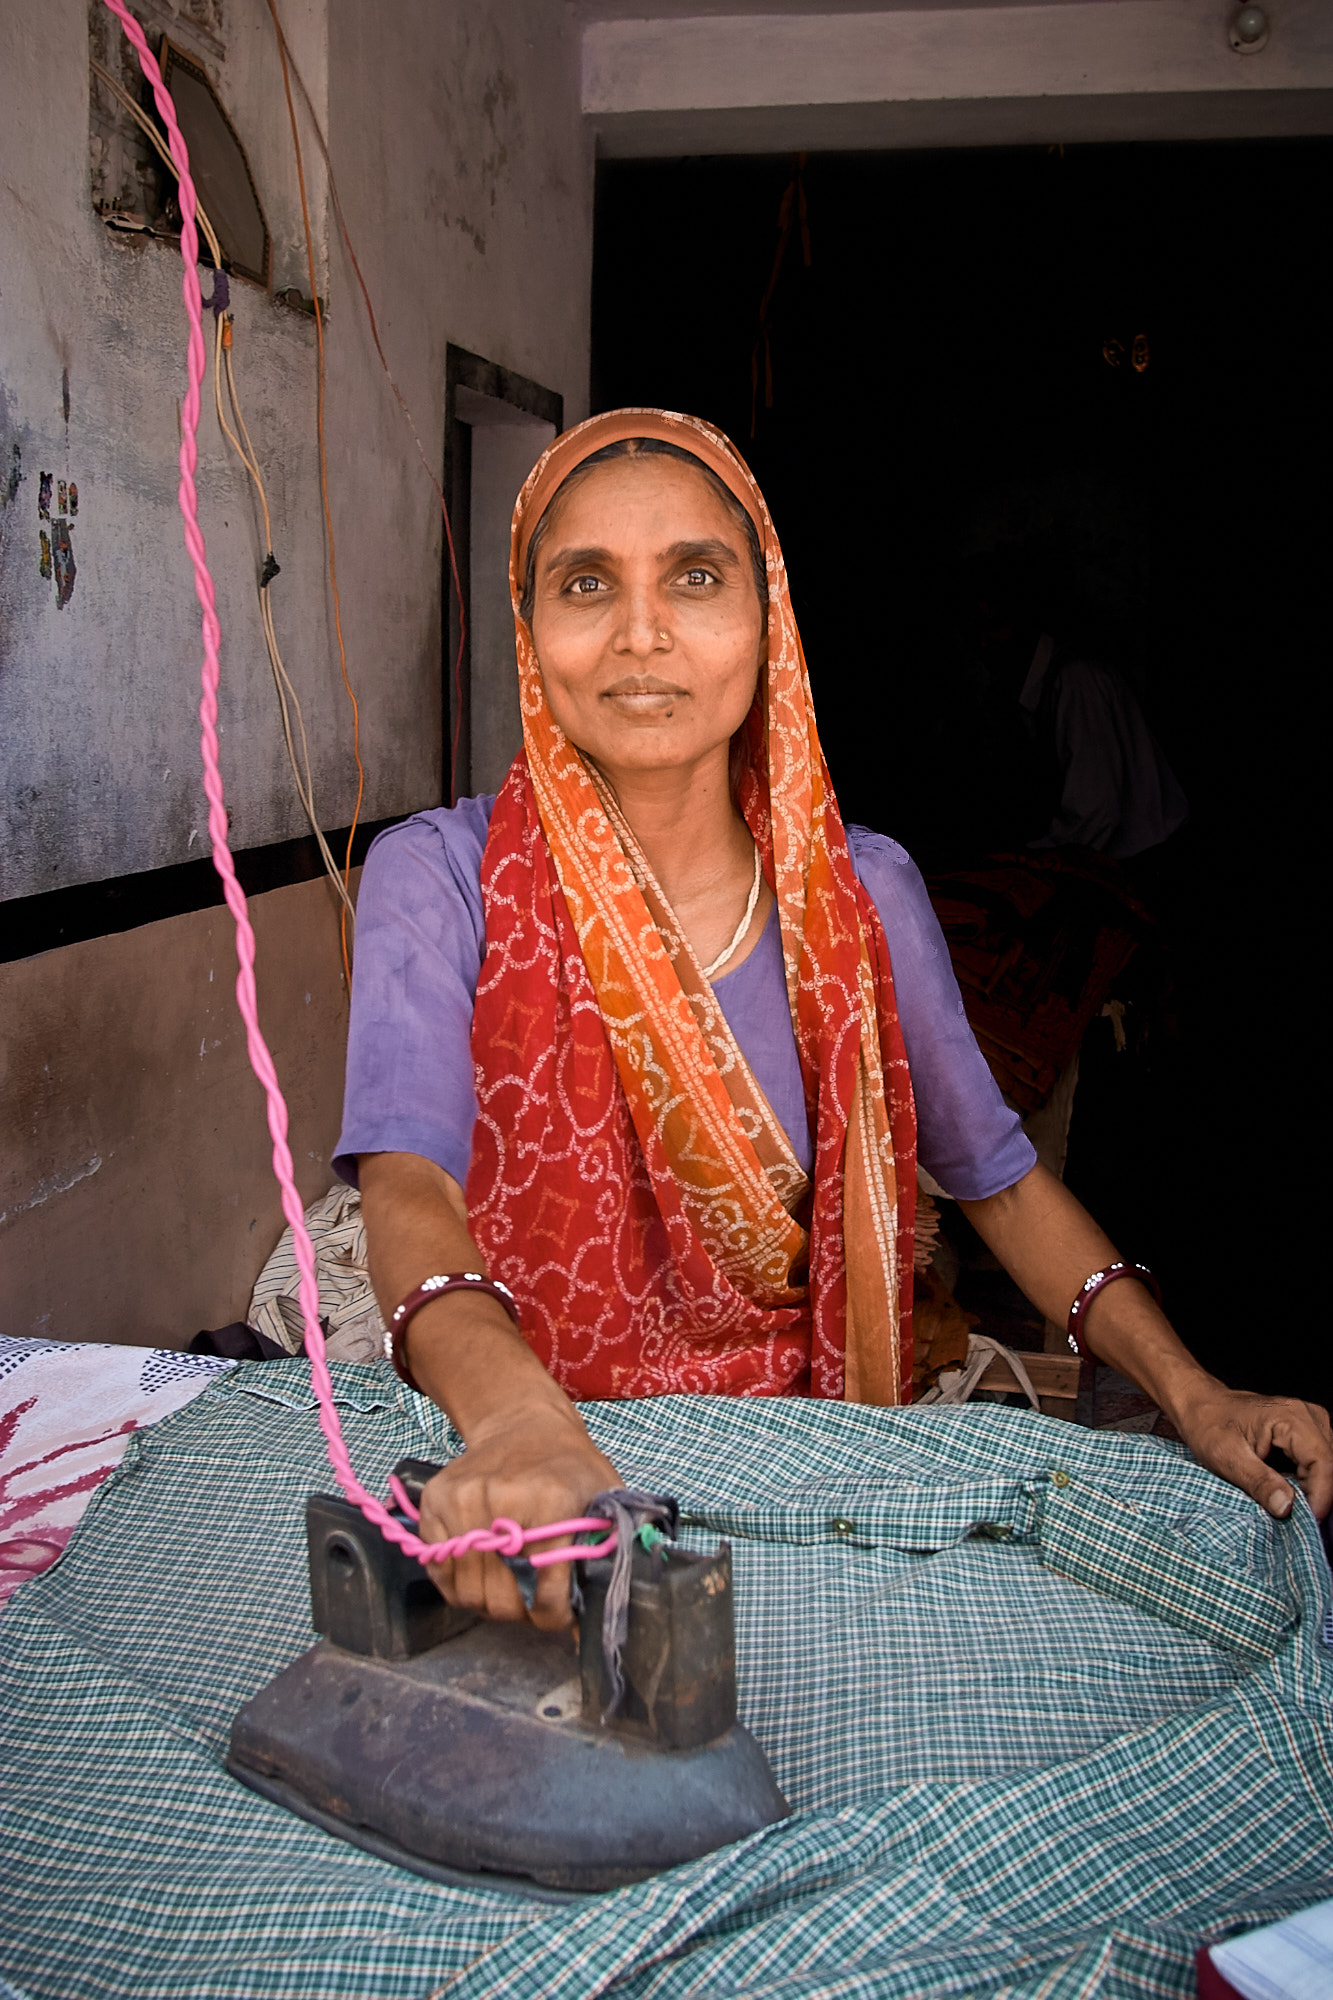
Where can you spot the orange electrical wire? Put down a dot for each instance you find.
(763, 338)
(324, 490)
(345, 233)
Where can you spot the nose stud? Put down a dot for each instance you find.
(661, 634)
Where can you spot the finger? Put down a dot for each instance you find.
(442, 1576)
(470, 1582)
(1307, 1445)
(501, 1596)
(553, 1608)
(450, 1506)
(1237, 1460)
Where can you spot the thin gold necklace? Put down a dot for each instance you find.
(744, 924)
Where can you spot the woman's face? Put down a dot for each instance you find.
(646, 620)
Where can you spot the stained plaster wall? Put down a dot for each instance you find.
(136, 1199)
(466, 178)
(98, 766)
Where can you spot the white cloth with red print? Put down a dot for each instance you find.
(66, 1414)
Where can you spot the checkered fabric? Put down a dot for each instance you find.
(1052, 1705)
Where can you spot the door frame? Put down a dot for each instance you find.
(463, 370)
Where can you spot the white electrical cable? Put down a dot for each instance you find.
(305, 790)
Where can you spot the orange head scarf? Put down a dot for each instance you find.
(628, 1180)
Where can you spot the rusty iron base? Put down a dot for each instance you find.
(474, 1757)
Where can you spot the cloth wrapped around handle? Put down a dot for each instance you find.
(629, 1511)
(626, 1510)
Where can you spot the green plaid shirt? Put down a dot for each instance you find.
(1053, 1706)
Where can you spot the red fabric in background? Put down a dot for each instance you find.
(1036, 941)
(1209, 1983)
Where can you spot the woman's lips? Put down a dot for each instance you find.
(644, 697)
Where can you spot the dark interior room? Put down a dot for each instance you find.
(1077, 387)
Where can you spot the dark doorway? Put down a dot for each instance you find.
(497, 424)
(954, 385)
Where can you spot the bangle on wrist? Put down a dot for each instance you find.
(395, 1334)
(1097, 1281)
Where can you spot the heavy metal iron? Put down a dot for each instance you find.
(459, 1747)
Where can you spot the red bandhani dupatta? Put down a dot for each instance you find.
(628, 1180)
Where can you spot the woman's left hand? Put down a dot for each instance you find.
(1232, 1432)
(1047, 1242)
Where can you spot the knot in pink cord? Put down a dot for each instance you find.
(506, 1537)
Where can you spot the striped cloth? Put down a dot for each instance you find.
(353, 1329)
(1052, 1704)
(1292, 1960)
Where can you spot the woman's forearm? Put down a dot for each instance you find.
(463, 1349)
(529, 1457)
(1049, 1244)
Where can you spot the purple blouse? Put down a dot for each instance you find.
(420, 940)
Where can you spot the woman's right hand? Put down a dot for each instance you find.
(528, 1455)
(533, 1464)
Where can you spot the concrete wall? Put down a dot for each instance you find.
(98, 768)
(465, 172)
(754, 78)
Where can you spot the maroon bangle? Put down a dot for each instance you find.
(395, 1334)
(1098, 1282)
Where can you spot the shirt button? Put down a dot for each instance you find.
(1060, 1477)
(843, 1528)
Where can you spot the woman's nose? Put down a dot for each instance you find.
(645, 626)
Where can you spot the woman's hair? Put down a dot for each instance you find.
(645, 448)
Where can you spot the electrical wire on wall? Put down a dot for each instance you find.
(305, 789)
(222, 363)
(289, 64)
(329, 542)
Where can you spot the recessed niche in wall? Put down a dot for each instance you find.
(133, 190)
(219, 167)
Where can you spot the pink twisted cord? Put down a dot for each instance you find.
(503, 1537)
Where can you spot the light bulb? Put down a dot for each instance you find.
(1249, 30)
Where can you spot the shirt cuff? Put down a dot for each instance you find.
(977, 1180)
(451, 1151)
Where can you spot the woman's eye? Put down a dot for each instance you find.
(585, 586)
(696, 578)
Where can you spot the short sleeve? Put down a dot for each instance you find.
(420, 940)
(968, 1138)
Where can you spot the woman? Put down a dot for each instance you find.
(705, 1027)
